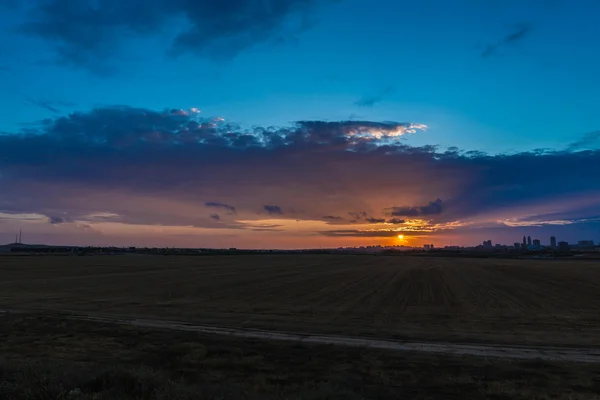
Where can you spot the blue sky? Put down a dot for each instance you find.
(493, 76)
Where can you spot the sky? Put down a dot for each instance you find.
(299, 123)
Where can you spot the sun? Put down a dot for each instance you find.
(400, 236)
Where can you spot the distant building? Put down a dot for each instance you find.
(524, 242)
(487, 243)
(553, 242)
(537, 243)
(528, 240)
(517, 245)
(426, 246)
(585, 244)
(563, 246)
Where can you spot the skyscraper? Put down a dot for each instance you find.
(553, 242)
(524, 242)
(528, 240)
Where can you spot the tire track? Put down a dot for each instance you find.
(586, 355)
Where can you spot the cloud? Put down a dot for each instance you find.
(537, 221)
(52, 106)
(322, 130)
(396, 221)
(357, 215)
(128, 127)
(88, 33)
(56, 220)
(216, 217)
(355, 233)
(370, 101)
(375, 220)
(518, 32)
(100, 216)
(126, 171)
(273, 210)
(433, 208)
(226, 207)
(588, 141)
(414, 228)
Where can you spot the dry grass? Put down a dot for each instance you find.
(501, 301)
(49, 358)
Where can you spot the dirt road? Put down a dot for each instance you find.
(588, 355)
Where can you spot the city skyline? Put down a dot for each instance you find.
(279, 124)
(536, 244)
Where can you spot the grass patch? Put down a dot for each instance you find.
(51, 358)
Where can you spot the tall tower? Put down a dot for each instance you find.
(524, 241)
(528, 240)
(553, 242)
(20, 237)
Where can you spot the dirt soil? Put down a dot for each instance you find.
(513, 302)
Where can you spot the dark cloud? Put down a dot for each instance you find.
(87, 33)
(226, 207)
(518, 32)
(216, 217)
(273, 210)
(396, 221)
(57, 220)
(122, 127)
(375, 220)
(140, 166)
(370, 101)
(433, 208)
(357, 215)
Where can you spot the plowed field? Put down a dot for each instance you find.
(453, 299)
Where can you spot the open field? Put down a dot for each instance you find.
(44, 357)
(449, 299)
